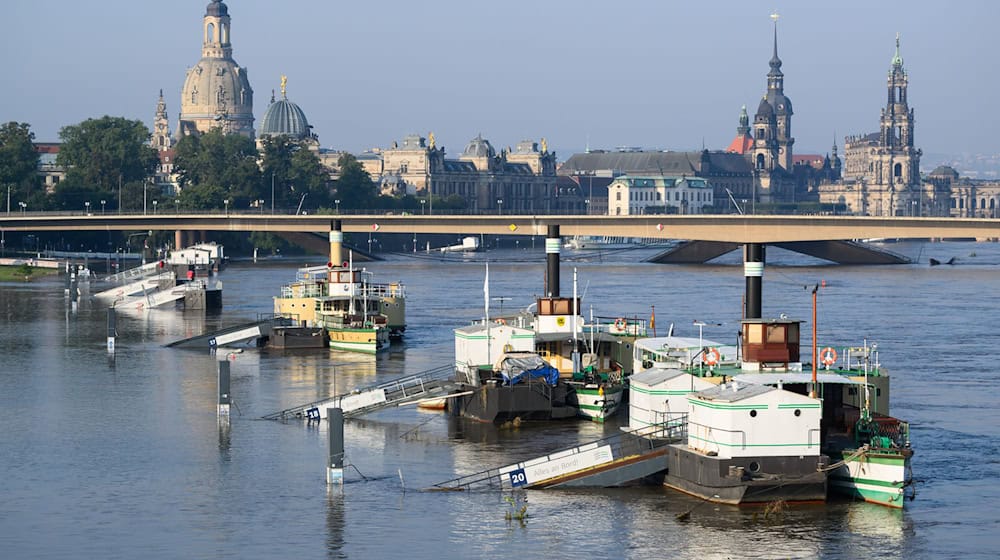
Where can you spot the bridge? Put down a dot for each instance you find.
(823, 236)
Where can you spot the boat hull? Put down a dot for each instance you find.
(492, 402)
(365, 341)
(598, 403)
(879, 478)
(745, 480)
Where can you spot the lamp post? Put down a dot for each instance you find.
(272, 193)
(23, 205)
(422, 203)
(144, 183)
(103, 202)
(8, 199)
(154, 207)
(337, 202)
(260, 204)
(86, 207)
(586, 202)
(177, 206)
(226, 202)
(499, 206)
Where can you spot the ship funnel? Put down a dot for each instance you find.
(753, 271)
(552, 262)
(336, 244)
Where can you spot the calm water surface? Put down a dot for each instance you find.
(125, 458)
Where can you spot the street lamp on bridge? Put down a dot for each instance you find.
(86, 207)
(154, 207)
(337, 202)
(23, 205)
(102, 206)
(499, 206)
(226, 202)
(422, 203)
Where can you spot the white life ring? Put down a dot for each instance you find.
(620, 324)
(828, 356)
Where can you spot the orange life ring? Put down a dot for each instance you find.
(828, 356)
(711, 356)
(501, 321)
(620, 324)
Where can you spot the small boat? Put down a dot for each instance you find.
(433, 404)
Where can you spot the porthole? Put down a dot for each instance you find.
(753, 467)
(798, 412)
(753, 414)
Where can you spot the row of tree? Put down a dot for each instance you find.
(109, 160)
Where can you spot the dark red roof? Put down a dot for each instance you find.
(47, 147)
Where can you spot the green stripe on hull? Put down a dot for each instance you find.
(893, 499)
(698, 402)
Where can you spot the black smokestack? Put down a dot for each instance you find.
(552, 262)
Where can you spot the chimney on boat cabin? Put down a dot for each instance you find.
(336, 244)
(753, 271)
(552, 262)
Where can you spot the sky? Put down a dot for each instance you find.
(658, 74)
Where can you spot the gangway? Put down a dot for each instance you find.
(615, 460)
(135, 273)
(234, 335)
(433, 383)
(136, 287)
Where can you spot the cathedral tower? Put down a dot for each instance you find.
(897, 161)
(216, 92)
(773, 122)
(161, 126)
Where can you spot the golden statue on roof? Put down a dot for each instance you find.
(284, 83)
(430, 140)
(545, 146)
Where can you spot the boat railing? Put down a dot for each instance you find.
(394, 289)
(302, 290)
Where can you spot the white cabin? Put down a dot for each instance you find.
(483, 344)
(677, 351)
(660, 395)
(748, 420)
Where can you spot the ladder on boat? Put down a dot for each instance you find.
(610, 461)
(433, 383)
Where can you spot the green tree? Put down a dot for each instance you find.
(213, 167)
(18, 162)
(293, 170)
(99, 156)
(355, 188)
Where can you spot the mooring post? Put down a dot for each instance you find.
(112, 330)
(335, 458)
(224, 398)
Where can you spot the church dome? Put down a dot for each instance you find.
(764, 109)
(217, 8)
(214, 86)
(284, 118)
(478, 147)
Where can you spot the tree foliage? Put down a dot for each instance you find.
(18, 159)
(293, 171)
(214, 167)
(101, 154)
(355, 188)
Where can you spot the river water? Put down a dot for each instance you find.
(125, 458)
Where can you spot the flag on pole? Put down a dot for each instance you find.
(486, 291)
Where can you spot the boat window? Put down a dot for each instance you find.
(753, 414)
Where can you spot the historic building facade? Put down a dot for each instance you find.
(884, 167)
(518, 180)
(771, 153)
(216, 92)
(659, 194)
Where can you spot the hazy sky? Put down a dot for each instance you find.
(657, 74)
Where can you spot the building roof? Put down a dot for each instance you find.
(478, 147)
(216, 8)
(741, 144)
(944, 171)
(659, 163)
(814, 160)
(733, 392)
(284, 118)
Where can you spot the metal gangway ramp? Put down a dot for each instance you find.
(235, 334)
(138, 272)
(617, 459)
(434, 383)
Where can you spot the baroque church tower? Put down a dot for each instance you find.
(161, 126)
(771, 156)
(217, 92)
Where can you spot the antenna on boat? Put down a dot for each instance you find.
(812, 389)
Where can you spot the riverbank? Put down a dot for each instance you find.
(24, 273)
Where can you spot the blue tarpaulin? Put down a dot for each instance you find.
(515, 368)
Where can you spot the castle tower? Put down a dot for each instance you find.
(898, 160)
(161, 126)
(773, 122)
(217, 92)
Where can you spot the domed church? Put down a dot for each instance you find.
(217, 92)
(285, 118)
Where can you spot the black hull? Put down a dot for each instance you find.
(527, 401)
(745, 480)
(299, 337)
